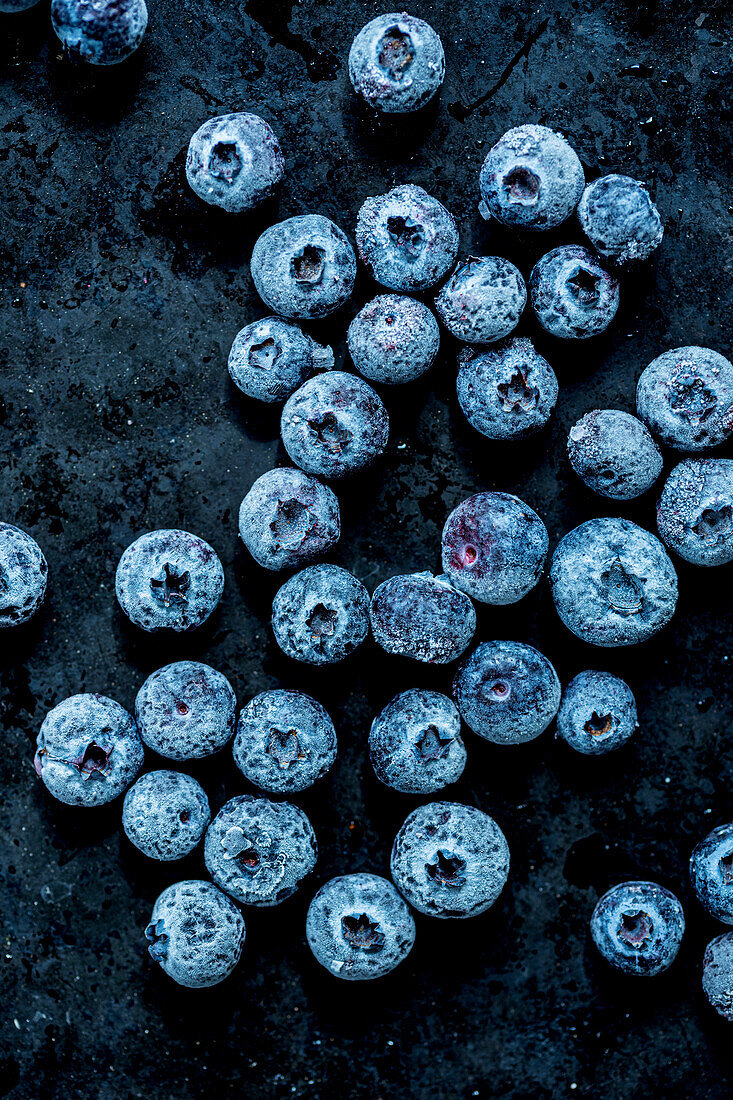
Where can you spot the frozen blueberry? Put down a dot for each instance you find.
(88, 750)
(421, 616)
(685, 396)
(396, 62)
(711, 873)
(717, 974)
(572, 295)
(507, 692)
(638, 927)
(695, 512)
(619, 219)
(234, 161)
(288, 518)
(23, 576)
(508, 391)
(597, 713)
(101, 32)
(406, 239)
(186, 711)
(450, 860)
(614, 454)
(259, 851)
(483, 300)
(612, 582)
(303, 267)
(169, 580)
(271, 357)
(196, 934)
(415, 743)
(334, 425)
(393, 339)
(165, 814)
(494, 547)
(320, 615)
(359, 927)
(285, 741)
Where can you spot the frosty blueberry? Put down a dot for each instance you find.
(393, 339)
(415, 743)
(321, 615)
(711, 873)
(288, 518)
(483, 300)
(396, 62)
(186, 711)
(618, 217)
(285, 741)
(685, 396)
(508, 391)
(100, 32)
(421, 616)
(614, 454)
(196, 934)
(573, 296)
(695, 511)
(270, 358)
(23, 576)
(638, 927)
(165, 814)
(597, 713)
(234, 161)
(717, 975)
(303, 267)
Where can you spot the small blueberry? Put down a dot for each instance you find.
(717, 975)
(285, 741)
(508, 391)
(685, 396)
(483, 300)
(423, 617)
(597, 713)
(618, 217)
(186, 711)
(23, 576)
(100, 32)
(393, 339)
(270, 358)
(397, 63)
(711, 873)
(638, 927)
(234, 161)
(196, 934)
(303, 267)
(573, 296)
(614, 454)
(320, 615)
(288, 518)
(165, 814)
(415, 743)
(695, 511)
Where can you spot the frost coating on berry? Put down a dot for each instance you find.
(573, 296)
(717, 975)
(320, 615)
(303, 267)
(614, 454)
(421, 616)
(597, 713)
(270, 358)
(165, 814)
(508, 391)
(507, 692)
(618, 217)
(393, 339)
(285, 741)
(186, 711)
(195, 933)
(23, 576)
(685, 396)
(234, 161)
(483, 300)
(711, 873)
(638, 927)
(695, 512)
(531, 179)
(288, 518)
(397, 63)
(100, 32)
(415, 743)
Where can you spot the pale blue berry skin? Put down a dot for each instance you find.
(288, 518)
(614, 454)
(285, 741)
(393, 339)
(695, 511)
(717, 975)
(573, 296)
(270, 358)
(196, 934)
(483, 300)
(508, 391)
(100, 32)
(423, 617)
(685, 397)
(597, 713)
(450, 860)
(358, 927)
(711, 873)
(507, 692)
(638, 928)
(303, 267)
(618, 217)
(397, 63)
(165, 814)
(234, 161)
(321, 615)
(23, 576)
(186, 711)
(415, 743)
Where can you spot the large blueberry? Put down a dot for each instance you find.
(321, 615)
(695, 511)
(165, 814)
(483, 299)
(507, 391)
(396, 62)
(288, 518)
(415, 743)
(285, 741)
(270, 358)
(23, 576)
(421, 616)
(234, 161)
(717, 975)
(711, 872)
(186, 710)
(196, 934)
(614, 454)
(573, 296)
(303, 267)
(618, 217)
(393, 339)
(597, 713)
(685, 396)
(100, 32)
(638, 927)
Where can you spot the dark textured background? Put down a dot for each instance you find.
(121, 297)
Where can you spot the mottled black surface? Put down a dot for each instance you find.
(122, 296)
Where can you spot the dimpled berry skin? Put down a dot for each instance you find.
(169, 580)
(393, 339)
(186, 711)
(415, 743)
(711, 873)
(573, 296)
(234, 161)
(196, 934)
(638, 927)
(614, 454)
(285, 741)
(165, 814)
(423, 617)
(507, 692)
(450, 860)
(288, 518)
(320, 615)
(88, 750)
(100, 32)
(612, 582)
(270, 358)
(597, 713)
(23, 576)
(396, 62)
(303, 267)
(259, 851)
(618, 217)
(483, 300)
(406, 239)
(508, 391)
(494, 548)
(695, 511)
(685, 396)
(717, 975)
(358, 927)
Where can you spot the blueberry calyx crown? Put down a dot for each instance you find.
(691, 399)
(447, 869)
(429, 745)
(225, 162)
(362, 933)
(332, 434)
(406, 234)
(585, 286)
(265, 354)
(714, 523)
(291, 523)
(285, 748)
(624, 592)
(521, 186)
(396, 52)
(308, 265)
(171, 587)
(157, 939)
(600, 725)
(516, 393)
(636, 928)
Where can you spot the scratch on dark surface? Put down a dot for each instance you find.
(274, 17)
(462, 111)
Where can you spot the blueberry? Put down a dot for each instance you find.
(494, 547)
(101, 32)
(508, 391)
(259, 851)
(406, 239)
(685, 396)
(421, 616)
(271, 357)
(597, 713)
(288, 518)
(88, 750)
(572, 295)
(303, 267)
(165, 814)
(531, 179)
(695, 512)
(23, 576)
(334, 425)
(415, 743)
(285, 741)
(186, 711)
(359, 927)
(320, 615)
(393, 339)
(234, 161)
(196, 934)
(711, 873)
(638, 927)
(169, 580)
(396, 62)
(619, 219)
(717, 974)
(507, 692)
(483, 300)
(450, 860)
(612, 582)
(614, 454)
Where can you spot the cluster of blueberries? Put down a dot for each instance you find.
(612, 582)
